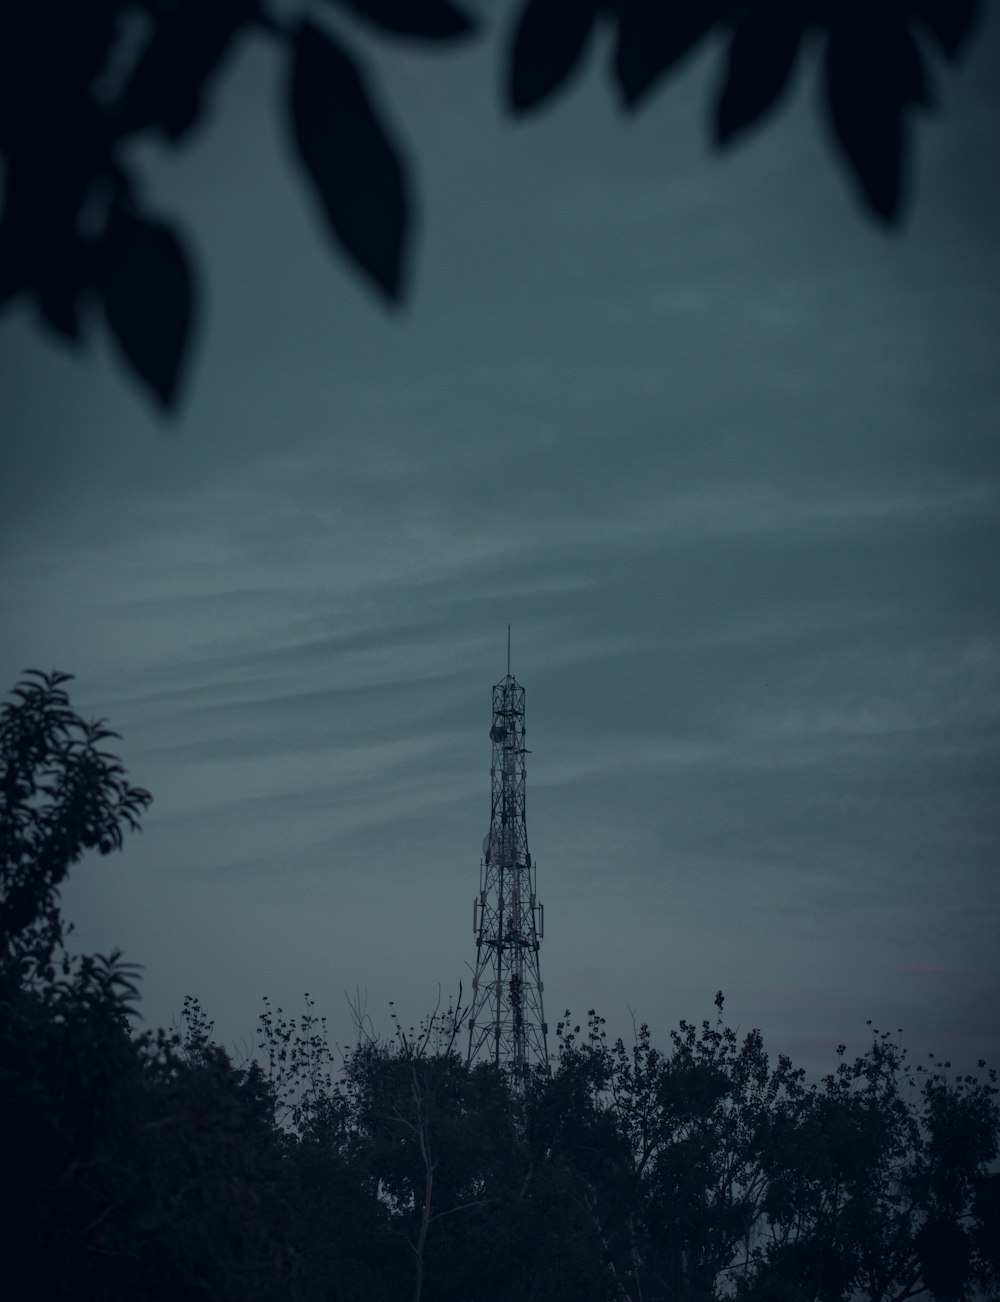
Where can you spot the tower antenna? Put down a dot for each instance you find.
(506, 1020)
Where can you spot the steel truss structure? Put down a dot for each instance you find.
(507, 1022)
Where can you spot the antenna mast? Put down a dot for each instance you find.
(507, 1023)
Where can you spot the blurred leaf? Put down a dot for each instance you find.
(866, 89)
(951, 21)
(144, 281)
(61, 310)
(548, 42)
(909, 72)
(349, 157)
(436, 20)
(166, 85)
(653, 35)
(39, 247)
(762, 54)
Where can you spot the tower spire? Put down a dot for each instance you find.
(507, 1022)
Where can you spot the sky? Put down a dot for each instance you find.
(721, 451)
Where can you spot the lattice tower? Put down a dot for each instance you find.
(507, 1022)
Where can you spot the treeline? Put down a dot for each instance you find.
(148, 1166)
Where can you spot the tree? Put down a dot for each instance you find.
(669, 1148)
(133, 1164)
(710, 1173)
(878, 1183)
(80, 84)
(438, 1143)
(60, 795)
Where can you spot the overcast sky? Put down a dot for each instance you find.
(722, 452)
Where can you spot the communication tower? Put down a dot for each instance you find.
(506, 1022)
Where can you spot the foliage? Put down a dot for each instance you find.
(60, 795)
(154, 1166)
(874, 65)
(80, 85)
(131, 1169)
(875, 1180)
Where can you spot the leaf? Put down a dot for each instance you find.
(166, 87)
(349, 158)
(550, 38)
(951, 21)
(435, 20)
(39, 245)
(866, 93)
(762, 54)
(13, 264)
(653, 35)
(909, 72)
(144, 281)
(58, 297)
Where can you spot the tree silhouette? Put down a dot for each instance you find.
(152, 1165)
(60, 795)
(80, 83)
